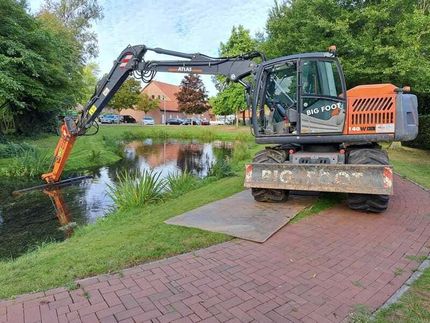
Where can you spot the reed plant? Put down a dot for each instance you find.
(181, 183)
(135, 189)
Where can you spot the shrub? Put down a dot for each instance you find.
(181, 183)
(30, 163)
(241, 152)
(134, 189)
(423, 139)
(10, 149)
(221, 169)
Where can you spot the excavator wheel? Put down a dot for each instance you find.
(368, 202)
(264, 194)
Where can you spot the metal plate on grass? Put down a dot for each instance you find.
(242, 217)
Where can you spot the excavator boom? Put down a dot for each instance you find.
(131, 62)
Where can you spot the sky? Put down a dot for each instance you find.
(187, 25)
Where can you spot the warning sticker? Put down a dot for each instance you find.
(384, 128)
(105, 91)
(92, 110)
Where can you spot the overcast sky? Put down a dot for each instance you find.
(187, 25)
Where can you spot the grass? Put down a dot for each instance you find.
(134, 189)
(181, 183)
(412, 163)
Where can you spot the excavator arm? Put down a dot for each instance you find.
(131, 62)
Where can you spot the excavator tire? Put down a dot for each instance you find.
(368, 202)
(270, 195)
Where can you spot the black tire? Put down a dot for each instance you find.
(368, 202)
(264, 194)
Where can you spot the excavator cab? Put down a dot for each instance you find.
(300, 95)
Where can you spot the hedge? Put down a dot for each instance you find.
(423, 139)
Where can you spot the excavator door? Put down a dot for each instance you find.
(301, 95)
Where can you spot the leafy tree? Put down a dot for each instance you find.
(78, 16)
(127, 96)
(192, 97)
(378, 41)
(40, 68)
(89, 80)
(147, 104)
(231, 98)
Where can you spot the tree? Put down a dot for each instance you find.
(147, 104)
(192, 97)
(378, 41)
(231, 98)
(127, 96)
(78, 16)
(40, 68)
(89, 81)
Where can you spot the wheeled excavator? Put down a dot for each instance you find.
(319, 136)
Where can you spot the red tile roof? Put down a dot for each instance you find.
(169, 90)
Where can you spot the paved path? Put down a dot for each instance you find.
(314, 271)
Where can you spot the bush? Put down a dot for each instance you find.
(423, 139)
(30, 163)
(10, 149)
(134, 189)
(222, 168)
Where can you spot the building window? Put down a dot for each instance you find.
(153, 96)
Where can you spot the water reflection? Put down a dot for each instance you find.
(40, 216)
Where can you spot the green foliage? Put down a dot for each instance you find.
(423, 139)
(94, 156)
(192, 97)
(127, 96)
(181, 183)
(220, 169)
(11, 149)
(89, 80)
(78, 16)
(241, 152)
(231, 98)
(136, 190)
(378, 41)
(40, 67)
(147, 104)
(30, 163)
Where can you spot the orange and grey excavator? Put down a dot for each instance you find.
(322, 136)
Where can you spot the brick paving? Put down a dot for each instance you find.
(316, 270)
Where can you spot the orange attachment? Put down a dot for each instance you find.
(371, 109)
(61, 155)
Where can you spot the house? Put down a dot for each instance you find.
(168, 107)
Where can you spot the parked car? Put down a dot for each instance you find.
(204, 122)
(128, 119)
(148, 121)
(191, 121)
(110, 118)
(174, 121)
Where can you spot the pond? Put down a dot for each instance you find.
(31, 219)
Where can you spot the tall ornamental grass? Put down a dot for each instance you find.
(136, 190)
